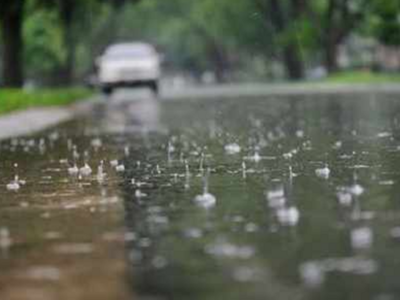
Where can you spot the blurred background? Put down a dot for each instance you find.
(55, 42)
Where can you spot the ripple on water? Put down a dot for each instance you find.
(73, 248)
(42, 273)
(313, 273)
(224, 249)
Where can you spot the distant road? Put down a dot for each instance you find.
(256, 90)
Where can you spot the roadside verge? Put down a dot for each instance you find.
(29, 121)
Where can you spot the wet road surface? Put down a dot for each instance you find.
(275, 197)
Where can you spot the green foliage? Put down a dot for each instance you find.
(362, 77)
(15, 99)
(195, 34)
(44, 50)
(384, 21)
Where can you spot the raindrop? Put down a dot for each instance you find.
(300, 133)
(395, 232)
(206, 199)
(233, 148)
(356, 189)
(193, 233)
(5, 239)
(276, 197)
(73, 171)
(120, 168)
(15, 184)
(244, 274)
(384, 134)
(288, 216)
(291, 174)
(96, 143)
(170, 150)
(139, 194)
(127, 151)
(158, 170)
(323, 172)
(288, 155)
(159, 262)
(225, 249)
(75, 154)
(337, 145)
(361, 238)
(86, 170)
(114, 163)
(251, 227)
(255, 157)
(312, 274)
(345, 198)
(201, 168)
(100, 172)
(244, 170)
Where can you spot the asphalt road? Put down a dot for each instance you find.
(218, 193)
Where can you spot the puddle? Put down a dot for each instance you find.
(270, 198)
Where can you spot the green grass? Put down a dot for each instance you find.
(362, 77)
(16, 99)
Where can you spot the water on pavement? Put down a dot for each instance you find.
(279, 197)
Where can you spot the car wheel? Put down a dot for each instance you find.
(154, 87)
(107, 90)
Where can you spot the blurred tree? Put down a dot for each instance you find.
(107, 32)
(76, 29)
(63, 36)
(67, 10)
(384, 21)
(44, 52)
(337, 20)
(282, 16)
(11, 22)
(202, 36)
(72, 13)
(190, 31)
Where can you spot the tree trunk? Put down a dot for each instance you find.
(331, 56)
(330, 40)
(291, 56)
(340, 21)
(67, 10)
(220, 62)
(11, 27)
(293, 64)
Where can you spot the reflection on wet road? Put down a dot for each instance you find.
(279, 197)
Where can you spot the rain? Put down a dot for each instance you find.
(199, 150)
(184, 194)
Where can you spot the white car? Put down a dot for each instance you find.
(129, 65)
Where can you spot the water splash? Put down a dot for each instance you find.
(206, 199)
(101, 175)
(86, 170)
(74, 170)
(323, 172)
(232, 148)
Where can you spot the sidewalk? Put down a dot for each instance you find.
(33, 120)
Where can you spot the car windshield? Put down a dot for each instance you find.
(121, 52)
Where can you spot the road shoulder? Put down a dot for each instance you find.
(33, 120)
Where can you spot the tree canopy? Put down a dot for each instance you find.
(56, 41)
